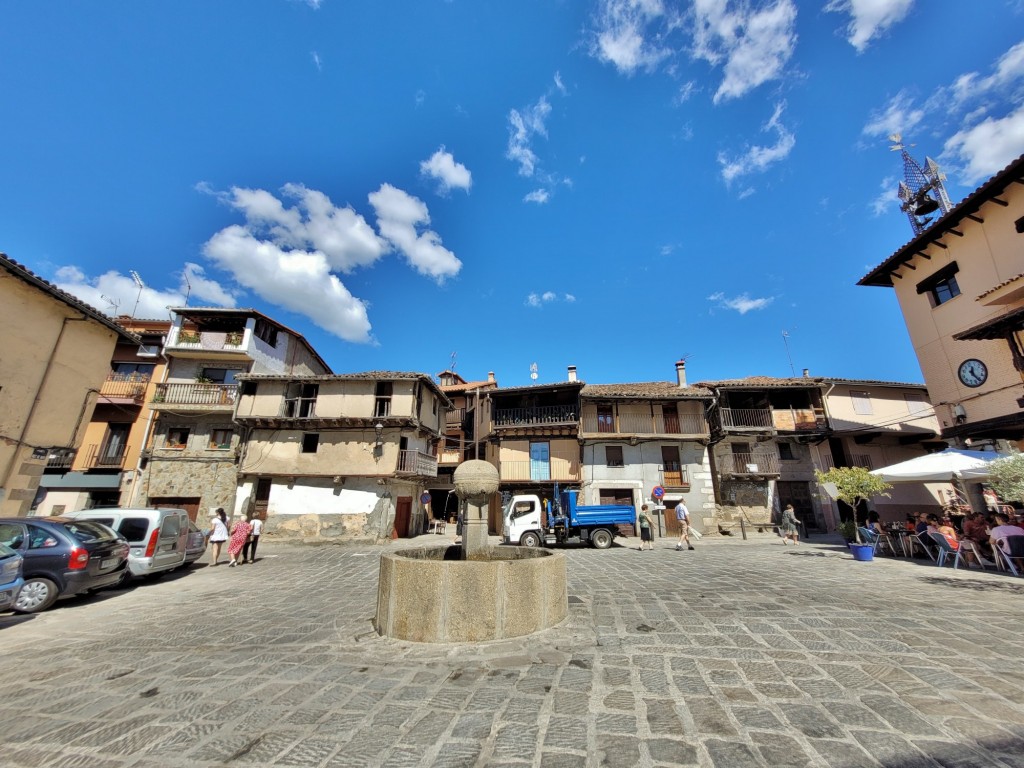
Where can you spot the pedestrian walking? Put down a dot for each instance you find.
(249, 550)
(646, 529)
(217, 533)
(788, 525)
(683, 518)
(239, 535)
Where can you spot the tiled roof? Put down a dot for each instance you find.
(875, 382)
(882, 274)
(528, 387)
(646, 390)
(26, 275)
(469, 385)
(1003, 284)
(762, 382)
(364, 376)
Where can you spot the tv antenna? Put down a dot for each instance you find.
(188, 283)
(451, 366)
(141, 285)
(785, 340)
(114, 304)
(533, 371)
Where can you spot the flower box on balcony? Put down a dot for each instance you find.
(189, 337)
(233, 339)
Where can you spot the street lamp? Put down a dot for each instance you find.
(379, 429)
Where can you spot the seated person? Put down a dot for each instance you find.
(945, 529)
(1001, 531)
(922, 523)
(875, 522)
(976, 528)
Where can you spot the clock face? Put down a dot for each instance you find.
(973, 373)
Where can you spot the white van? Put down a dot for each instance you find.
(158, 536)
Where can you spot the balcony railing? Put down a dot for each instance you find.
(548, 414)
(61, 458)
(675, 478)
(533, 470)
(109, 456)
(747, 418)
(417, 463)
(645, 424)
(130, 386)
(455, 416)
(195, 394)
(452, 456)
(750, 464)
(206, 340)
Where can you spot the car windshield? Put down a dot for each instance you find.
(88, 532)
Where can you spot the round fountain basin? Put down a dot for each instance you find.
(430, 595)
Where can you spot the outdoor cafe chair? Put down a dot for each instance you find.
(944, 549)
(968, 547)
(918, 540)
(1016, 547)
(869, 537)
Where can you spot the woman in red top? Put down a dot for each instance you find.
(239, 535)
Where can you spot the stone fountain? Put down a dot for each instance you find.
(470, 592)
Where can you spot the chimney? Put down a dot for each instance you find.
(572, 373)
(681, 372)
(807, 373)
(490, 377)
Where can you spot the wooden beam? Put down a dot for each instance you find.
(896, 275)
(943, 246)
(908, 265)
(997, 201)
(972, 217)
(956, 232)
(924, 255)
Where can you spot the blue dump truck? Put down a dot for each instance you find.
(531, 521)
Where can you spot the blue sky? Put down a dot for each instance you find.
(611, 185)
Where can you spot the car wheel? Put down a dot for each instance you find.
(530, 539)
(36, 595)
(601, 539)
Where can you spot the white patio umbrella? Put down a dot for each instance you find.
(947, 465)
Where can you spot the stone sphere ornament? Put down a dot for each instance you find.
(476, 480)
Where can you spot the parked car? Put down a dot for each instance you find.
(196, 546)
(158, 536)
(10, 576)
(62, 557)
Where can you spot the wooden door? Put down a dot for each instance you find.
(403, 515)
(262, 497)
(189, 503)
(671, 419)
(672, 469)
(799, 495)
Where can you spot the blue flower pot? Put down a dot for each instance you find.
(862, 552)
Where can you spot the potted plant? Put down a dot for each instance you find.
(188, 337)
(853, 485)
(233, 339)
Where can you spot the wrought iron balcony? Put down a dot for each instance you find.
(106, 456)
(749, 464)
(61, 458)
(207, 395)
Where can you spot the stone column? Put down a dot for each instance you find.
(475, 482)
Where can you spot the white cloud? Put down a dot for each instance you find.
(316, 61)
(547, 297)
(399, 216)
(742, 303)
(686, 91)
(754, 43)
(539, 196)
(988, 146)
(558, 83)
(115, 294)
(623, 34)
(523, 128)
(898, 116)
(887, 199)
(449, 174)
(869, 18)
(757, 159)
(298, 280)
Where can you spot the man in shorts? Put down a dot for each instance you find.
(683, 518)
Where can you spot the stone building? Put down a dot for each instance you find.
(193, 455)
(347, 456)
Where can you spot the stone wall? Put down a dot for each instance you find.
(213, 481)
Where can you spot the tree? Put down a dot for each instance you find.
(853, 485)
(1006, 476)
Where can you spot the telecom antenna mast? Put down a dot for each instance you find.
(922, 191)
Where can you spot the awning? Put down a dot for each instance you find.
(995, 328)
(81, 480)
(947, 465)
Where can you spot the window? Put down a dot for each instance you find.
(300, 400)
(132, 371)
(310, 441)
(861, 403)
(266, 332)
(916, 404)
(605, 418)
(38, 538)
(247, 388)
(786, 452)
(219, 375)
(862, 460)
(134, 529)
(151, 343)
(942, 285)
(220, 439)
(382, 405)
(177, 437)
(613, 456)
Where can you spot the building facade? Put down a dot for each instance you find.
(960, 286)
(54, 358)
(347, 456)
(192, 459)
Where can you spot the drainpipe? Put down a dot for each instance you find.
(145, 440)
(35, 403)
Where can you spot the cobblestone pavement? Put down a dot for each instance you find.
(736, 654)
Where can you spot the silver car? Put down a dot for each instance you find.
(158, 535)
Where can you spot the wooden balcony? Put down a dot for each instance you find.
(644, 424)
(754, 464)
(455, 416)
(417, 463)
(556, 471)
(195, 396)
(543, 415)
(124, 388)
(676, 478)
(777, 419)
(450, 456)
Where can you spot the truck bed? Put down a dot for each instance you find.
(604, 514)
